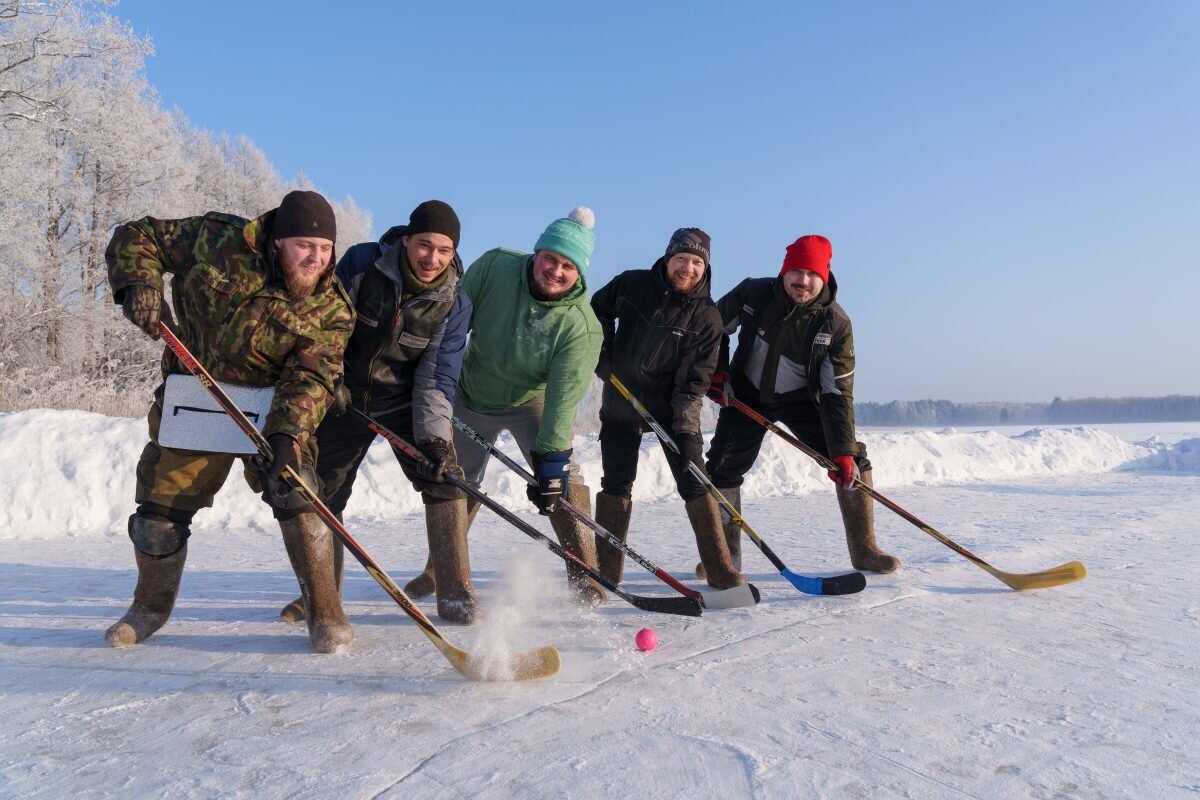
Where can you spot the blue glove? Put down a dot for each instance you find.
(550, 469)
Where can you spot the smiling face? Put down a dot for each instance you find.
(554, 275)
(304, 261)
(802, 286)
(428, 254)
(684, 271)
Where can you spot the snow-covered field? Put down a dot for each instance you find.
(934, 682)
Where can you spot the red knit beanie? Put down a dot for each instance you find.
(812, 253)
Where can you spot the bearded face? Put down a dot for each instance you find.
(304, 261)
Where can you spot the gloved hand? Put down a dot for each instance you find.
(846, 472)
(691, 447)
(144, 306)
(553, 480)
(285, 452)
(438, 452)
(341, 401)
(720, 389)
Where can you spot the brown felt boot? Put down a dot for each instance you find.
(294, 611)
(733, 532)
(153, 598)
(309, 544)
(612, 514)
(580, 542)
(858, 517)
(705, 516)
(446, 526)
(425, 583)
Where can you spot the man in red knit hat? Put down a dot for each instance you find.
(794, 364)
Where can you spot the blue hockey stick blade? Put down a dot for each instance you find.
(850, 583)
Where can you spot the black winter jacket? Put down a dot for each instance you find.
(404, 354)
(661, 343)
(790, 354)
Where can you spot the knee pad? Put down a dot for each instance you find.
(156, 535)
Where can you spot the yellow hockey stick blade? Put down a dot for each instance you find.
(1071, 572)
(530, 665)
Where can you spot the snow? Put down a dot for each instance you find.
(934, 682)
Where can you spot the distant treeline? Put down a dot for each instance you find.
(1173, 408)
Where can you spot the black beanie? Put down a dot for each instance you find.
(304, 214)
(689, 240)
(434, 216)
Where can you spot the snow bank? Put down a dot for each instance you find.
(70, 473)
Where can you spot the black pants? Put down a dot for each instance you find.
(342, 444)
(738, 439)
(619, 447)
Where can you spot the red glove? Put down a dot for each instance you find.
(720, 389)
(846, 473)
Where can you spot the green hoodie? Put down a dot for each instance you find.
(522, 347)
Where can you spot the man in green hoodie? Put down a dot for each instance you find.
(794, 364)
(534, 343)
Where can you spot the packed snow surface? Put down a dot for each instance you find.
(936, 681)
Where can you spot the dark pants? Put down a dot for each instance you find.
(738, 439)
(343, 442)
(619, 448)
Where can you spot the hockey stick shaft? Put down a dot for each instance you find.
(667, 605)
(600, 530)
(459, 658)
(1055, 576)
(843, 584)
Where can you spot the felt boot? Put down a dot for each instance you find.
(294, 611)
(309, 544)
(612, 514)
(425, 583)
(858, 517)
(733, 532)
(446, 526)
(705, 516)
(153, 597)
(580, 542)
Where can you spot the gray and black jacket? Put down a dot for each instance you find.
(661, 343)
(408, 353)
(790, 354)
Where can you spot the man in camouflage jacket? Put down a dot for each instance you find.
(794, 364)
(257, 303)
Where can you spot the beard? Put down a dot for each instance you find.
(682, 284)
(300, 283)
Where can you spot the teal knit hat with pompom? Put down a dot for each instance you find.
(572, 236)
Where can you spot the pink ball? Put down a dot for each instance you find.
(646, 640)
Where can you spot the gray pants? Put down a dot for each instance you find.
(522, 422)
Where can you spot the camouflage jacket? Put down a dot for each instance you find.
(234, 313)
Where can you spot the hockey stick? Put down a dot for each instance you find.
(737, 597)
(539, 663)
(1070, 572)
(849, 583)
(685, 606)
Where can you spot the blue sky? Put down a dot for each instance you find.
(1012, 190)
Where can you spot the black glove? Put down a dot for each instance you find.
(691, 447)
(440, 460)
(341, 401)
(143, 306)
(285, 452)
(550, 469)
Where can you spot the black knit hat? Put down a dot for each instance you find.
(689, 240)
(304, 214)
(434, 216)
